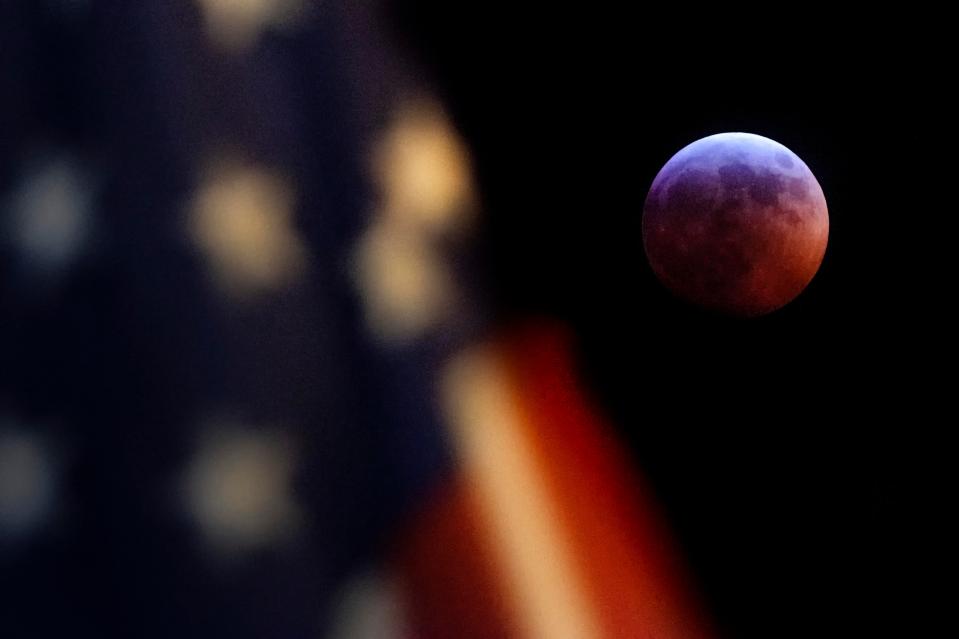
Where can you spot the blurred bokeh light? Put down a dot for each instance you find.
(29, 477)
(424, 197)
(369, 606)
(238, 488)
(236, 25)
(49, 217)
(423, 170)
(242, 220)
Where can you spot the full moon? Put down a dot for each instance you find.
(736, 223)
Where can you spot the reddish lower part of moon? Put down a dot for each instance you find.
(736, 223)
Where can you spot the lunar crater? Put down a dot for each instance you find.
(736, 175)
(693, 190)
(783, 160)
(797, 187)
(766, 187)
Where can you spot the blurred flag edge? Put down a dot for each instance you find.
(545, 531)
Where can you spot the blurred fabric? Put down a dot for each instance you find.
(212, 412)
(238, 259)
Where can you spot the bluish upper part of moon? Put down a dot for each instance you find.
(726, 167)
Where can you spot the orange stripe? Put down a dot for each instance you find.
(532, 552)
(633, 573)
(548, 533)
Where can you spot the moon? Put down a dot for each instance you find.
(735, 223)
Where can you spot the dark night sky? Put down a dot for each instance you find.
(787, 449)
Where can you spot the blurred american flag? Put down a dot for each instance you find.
(250, 388)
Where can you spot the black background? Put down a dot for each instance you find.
(788, 449)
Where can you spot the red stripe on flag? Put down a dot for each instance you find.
(636, 578)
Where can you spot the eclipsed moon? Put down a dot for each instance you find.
(736, 223)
